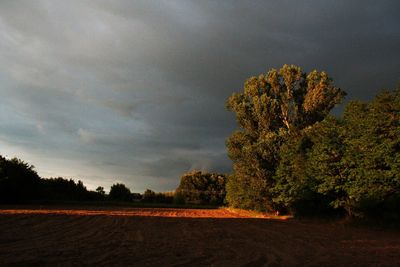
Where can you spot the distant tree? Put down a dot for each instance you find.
(271, 110)
(178, 198)
(119, 192)
(136, 197)
(202, 188)
(164, 197)
(100, 190)
(149, 196)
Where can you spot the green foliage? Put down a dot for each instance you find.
(292, 188)
(324, 161)
(271, 110)
(348, 164)
(373, 155)
(309, 176)
(201, 188)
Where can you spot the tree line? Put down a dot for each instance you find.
(20, 183)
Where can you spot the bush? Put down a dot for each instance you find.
(201, 188)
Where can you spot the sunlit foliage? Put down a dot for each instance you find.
(197, 187)
(291, 155)
(273, 108)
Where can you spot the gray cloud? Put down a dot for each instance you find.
(134, 92)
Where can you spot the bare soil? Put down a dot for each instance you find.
(184, 237)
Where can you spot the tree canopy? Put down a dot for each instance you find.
(272, 108)
(291, 155)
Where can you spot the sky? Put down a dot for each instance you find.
(134, 91)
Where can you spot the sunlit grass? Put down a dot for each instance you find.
(257, 214)
(146, 212)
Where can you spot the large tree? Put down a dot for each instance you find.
(272, 108)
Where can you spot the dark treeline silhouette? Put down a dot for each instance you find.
(19, 183)
(63, 189)
(291, 156)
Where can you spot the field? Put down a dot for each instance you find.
(184, 237)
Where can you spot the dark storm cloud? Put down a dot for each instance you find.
(134, 92)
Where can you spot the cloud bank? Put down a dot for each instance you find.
(134, 91)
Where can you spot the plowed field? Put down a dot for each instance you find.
(184, 237)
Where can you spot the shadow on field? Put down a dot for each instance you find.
(49, 239)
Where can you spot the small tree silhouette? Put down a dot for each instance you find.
(120, 192)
